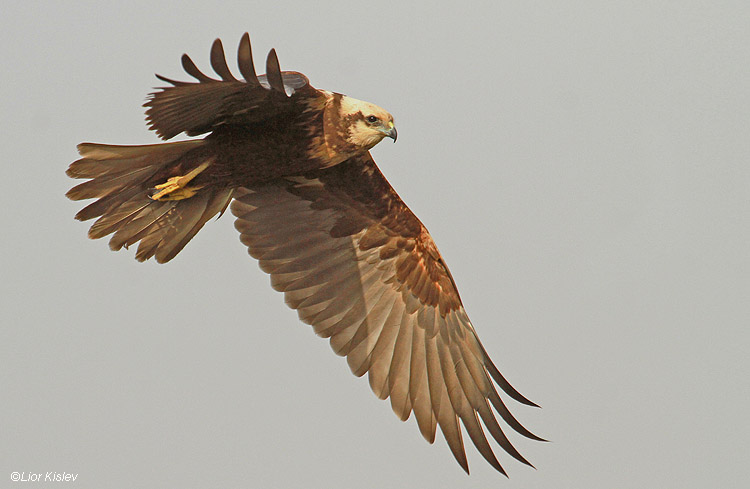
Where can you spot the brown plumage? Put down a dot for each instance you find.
(314, 209)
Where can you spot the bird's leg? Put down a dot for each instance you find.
(175, 188)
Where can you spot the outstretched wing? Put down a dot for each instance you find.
(359, 267)
(197, 108)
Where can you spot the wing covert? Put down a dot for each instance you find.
(359, 267)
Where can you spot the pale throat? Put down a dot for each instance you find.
(364, 136)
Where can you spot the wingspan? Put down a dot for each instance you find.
(198, 108)
(359, 267)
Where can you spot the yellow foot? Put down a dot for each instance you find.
(175, 188)
(171, 191)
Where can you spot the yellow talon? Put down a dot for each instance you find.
(174, 192)
(175, 188)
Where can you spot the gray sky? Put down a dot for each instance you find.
(583, 169)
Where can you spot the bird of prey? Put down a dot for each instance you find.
(316, 212)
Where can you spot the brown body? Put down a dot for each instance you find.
(251, 155)
(315, 210)
(307, 137)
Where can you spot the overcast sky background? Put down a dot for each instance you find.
(582, 166)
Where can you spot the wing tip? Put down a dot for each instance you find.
(245, 61)
(219, 61)
(273, 72)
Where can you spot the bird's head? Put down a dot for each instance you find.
(367, 124)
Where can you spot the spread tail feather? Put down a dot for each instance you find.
(122, 179)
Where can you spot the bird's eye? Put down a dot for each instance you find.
(372, 119)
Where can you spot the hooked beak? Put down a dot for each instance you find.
(391, 131)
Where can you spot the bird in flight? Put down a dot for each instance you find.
(293, 164)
